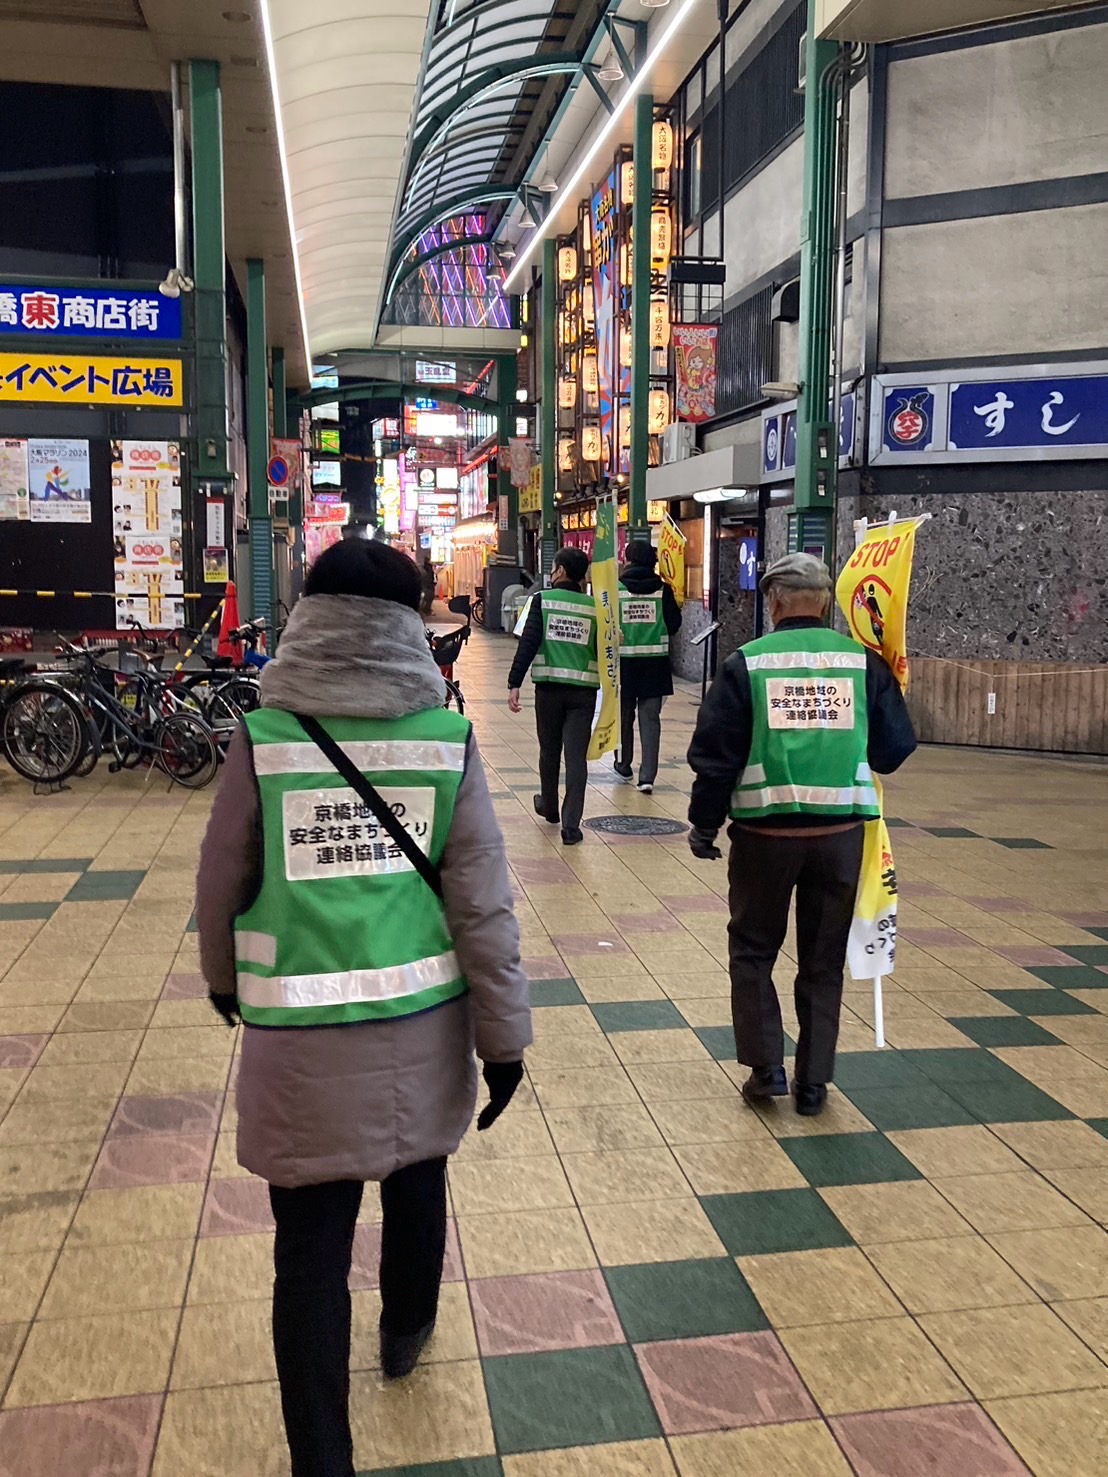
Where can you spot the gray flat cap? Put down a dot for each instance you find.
(797, 572)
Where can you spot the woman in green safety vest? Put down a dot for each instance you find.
(355, 911)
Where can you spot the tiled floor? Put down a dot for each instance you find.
(645, 1278)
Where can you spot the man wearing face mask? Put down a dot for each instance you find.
(558, 644)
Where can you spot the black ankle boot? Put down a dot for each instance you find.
(400, 1351)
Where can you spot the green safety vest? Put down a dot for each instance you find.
(808, 754)
(344, 928)
(568, 650)
(642, 625)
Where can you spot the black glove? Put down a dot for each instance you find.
(702, 844)
(227, 1005)
(502, 1079)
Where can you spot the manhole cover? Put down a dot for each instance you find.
(635, 825)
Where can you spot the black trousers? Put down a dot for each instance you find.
(649, 710)
(764, 871)
(311, 1298)
(563, 717)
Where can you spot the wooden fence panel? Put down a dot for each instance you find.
(1054, 707)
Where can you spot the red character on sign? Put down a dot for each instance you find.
(40, 310)
(909, 422)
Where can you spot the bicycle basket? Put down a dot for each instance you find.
(447, 649)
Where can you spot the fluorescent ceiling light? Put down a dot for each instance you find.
(634, 87)
(271, 60)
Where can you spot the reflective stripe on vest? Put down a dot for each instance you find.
(753, 793)
(818, 661)
(374, 756)
(642, 625)
(348, 987)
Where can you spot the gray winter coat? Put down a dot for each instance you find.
(357, 1102)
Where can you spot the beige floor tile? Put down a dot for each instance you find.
(922, 1034)
(390, 1423)
(82, 1048)
(117, 1279)
(706, 984)
(574, 1051)
(180, 1074)
(1088, 1317)
(187, 1041)
(109, 1015)
(27, 1169)
(1087, 1188)
(680, 1045)
(669, 1082)
(633, 1174)
(32, 1020)
(944, 1152)
(623, 1459)
(35, 1222)
(1022, 1350)
(98, 1079)
(1071, 1145)
(839, 1116)
(515, 1135)
(948, 1273)
(509, 1184)
(227, 1268)
(651, 1231)
(586, 1087)
(1061, 1262)
(1057, 1435)
(619, 988)
(833, 1286)
(598, 1130)
(225, 1164)
(525, 1241)
(711, 1012)
(169, 1014)
(65, 1121)
(23, 1277)
(908, 1210)
(149, 1213)
(11, 1341)
(111, 988)
(94, 1358)
(223, 1433)
(1009, 1202)
(225, 1344)
(454, 1339)
(800, 1449)
(882, 1364)
(732, 1168)
(708, 1121)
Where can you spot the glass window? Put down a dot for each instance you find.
(693, 177)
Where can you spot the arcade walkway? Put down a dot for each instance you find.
(646, 1278)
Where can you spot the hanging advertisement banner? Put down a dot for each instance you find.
(90, 379)
(15, 504)
(605, 281)
(695, 352)
(80, 312)
(217, 566)
(58, 481)
(147, 524)
(520, 457)
(530, 497)
(605, 590)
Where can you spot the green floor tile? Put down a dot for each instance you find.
(1100, 1124)
(575, 1397)
(951, 833)
(684, 1300)
(1021, 843)
(192, 926)
(99, 887)
(849, 1159)
(1071, 976)
(1018, 1101)
(25, 912)
(1041, 1002)
(875, 1069)
(1004, 1030)
(1086, 953)
(764, 1221)
(640, 1015)
(472, 1466)
(1100, 933)
(556, 992)
(912, 1106)
(720, 1041)
(46, 864)
(894, 823)
(961, 1064)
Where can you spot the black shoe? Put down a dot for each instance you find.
(765, 1083)
(551, 820)
(625, 772)
(400, 1351)
(811, 1098)
(572, 838)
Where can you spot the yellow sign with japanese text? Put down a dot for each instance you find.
(605, 592)
(530, 495)
(69, 378)
(671, 558)
(873, 592)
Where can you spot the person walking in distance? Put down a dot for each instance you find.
(648, 616)
(558, 644)
(787, 744)
(355, 910)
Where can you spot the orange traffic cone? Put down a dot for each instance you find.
(230, 622)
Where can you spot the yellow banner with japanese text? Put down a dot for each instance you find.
(530, 495)
(605, 591)
(69, 378)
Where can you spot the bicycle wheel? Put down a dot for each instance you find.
(223, 715)
(455, 698)
(92, 752)
(187, 751)
(477, 614)
(43, 733)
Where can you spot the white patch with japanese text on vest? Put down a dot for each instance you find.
(638, 612)
(572, 628)
(331, 833)
(810, 702)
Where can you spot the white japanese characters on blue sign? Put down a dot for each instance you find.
(77, 312)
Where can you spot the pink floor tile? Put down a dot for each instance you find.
(1033, 958)
(21, 1051)
(919, 889)
(659, 922)
(1085, 920)
(97, 1438)
(544, 969)
(366, 1264)
(935, 938)
(237, 1207)
(704, 903)
(927, 1441)
(133, 1159)
(187, 1113)
(588, 943)
(543, 871)
(998, 904)
(719, 1384)
(184, 987)
(531, 1315)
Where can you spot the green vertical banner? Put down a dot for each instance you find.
(605, 591)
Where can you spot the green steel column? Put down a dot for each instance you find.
(259, 598)
(640, 315)
(549, 404)
(507, 381)
(816, 438)
(280, 405)
(209, 271)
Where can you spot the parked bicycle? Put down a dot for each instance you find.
(43, 731)
(447, 648)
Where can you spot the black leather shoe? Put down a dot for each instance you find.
(400, 1351)
(572, 838)
(625, 772)
(811, 1098)
(551, 820)
(765, 1083)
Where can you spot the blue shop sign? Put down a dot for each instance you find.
(748, 562)
(779, 438)
(1029, 413)
(77, 312)
(908, 419)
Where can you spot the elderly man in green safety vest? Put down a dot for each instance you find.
(786, 745)
(558, 644)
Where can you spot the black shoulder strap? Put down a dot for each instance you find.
(371, 797)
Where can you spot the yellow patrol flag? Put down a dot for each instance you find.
(605, 591)
(873, 591)
(671, 558)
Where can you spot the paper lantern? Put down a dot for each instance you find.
(626, 347)
(567, 264)
(588, 300)
(659, 322)
(661, 238)
(627, 183)
(590, 443)
(590, 374)
(658, 415)
(567, 392)
(625, 271)
(565, 454)
(625, 425)
(662, 151)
